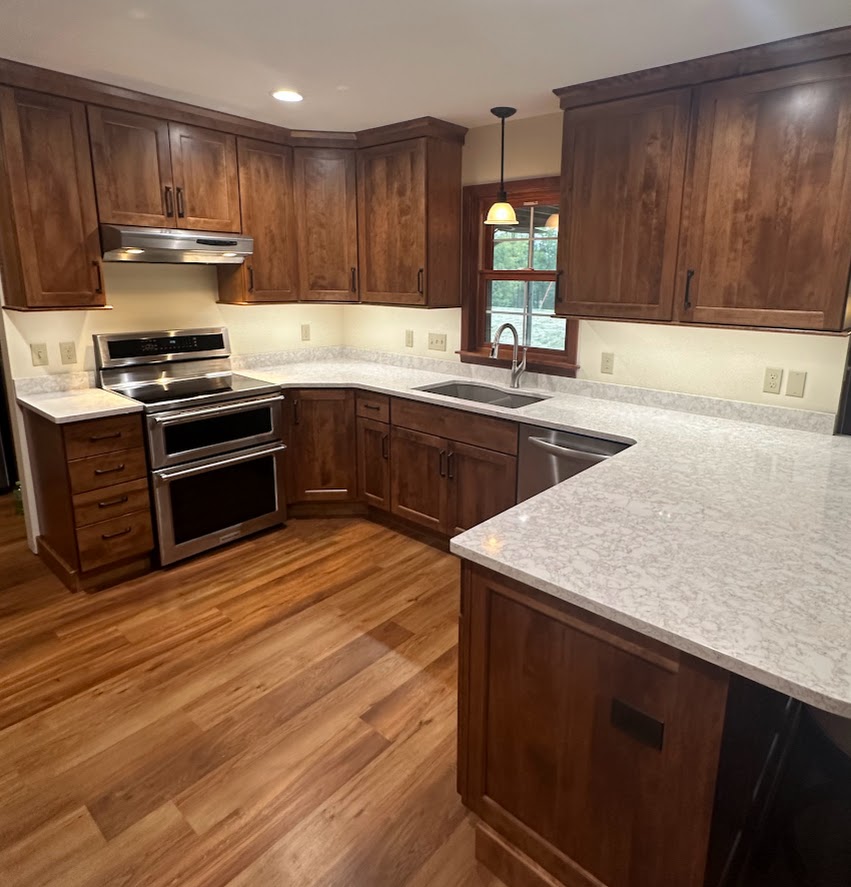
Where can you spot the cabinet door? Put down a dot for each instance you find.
(323, 446)
(132, 166)
(623, 165)
(481, 484)
(374, 463)
(766, 234)
(392, 222)
(266, 194)
(326, 202)
(419, 491)
(205, 178)
(50, 235)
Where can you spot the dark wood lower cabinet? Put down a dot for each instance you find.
(597, 757)
(482, 484)
(374, 463)
(419, 492)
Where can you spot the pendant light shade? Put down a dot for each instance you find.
(552, 221)
(502, 212)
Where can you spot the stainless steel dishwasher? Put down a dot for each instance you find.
(548, 457)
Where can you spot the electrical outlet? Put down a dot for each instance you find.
(795, 384)
(409, 338)
(305, 332)
(39, 355)
(68, 352)
(607, 363)
(437, 341)
(773, 380)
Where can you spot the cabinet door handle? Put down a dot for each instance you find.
(251, 278)
(639, 726)
(100, 471)
(354, 280)
(295, 411)
(94, 438)
(558, 295)
(181, 209)
(442, 464)
(98, 278)
(450, 466)
(420, 278)
(385, 446)
(123, 532)
(687, 300)
(108, 503)
(169, 202)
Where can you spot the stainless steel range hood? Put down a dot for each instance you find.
(125, 243)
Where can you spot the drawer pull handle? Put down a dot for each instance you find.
(108, 503)
(98, 437)
(371, 406)
(100, 471)
(639, 726)
(124, 532)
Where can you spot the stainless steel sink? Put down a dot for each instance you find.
(499, 397)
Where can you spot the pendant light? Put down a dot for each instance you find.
(552, 221)
(502, 212)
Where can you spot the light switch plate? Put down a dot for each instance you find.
(39, 354)
(795, 383)
(773, 380)
(437, 341)
(409, 338)
(305, 332)
(68, 352)
(607, 363)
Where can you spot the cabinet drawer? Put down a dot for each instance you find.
(97, 472)
(115, 540)
(470, 428)
(114, 501)
(374, 406)
(84, 439)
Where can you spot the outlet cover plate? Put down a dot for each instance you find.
(437, 341)
(39, 354)
(795, 383)
(305, 332)
(607, 363)
(68, 352)
(409, 338)
(773, 380)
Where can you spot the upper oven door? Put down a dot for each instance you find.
(188, 435)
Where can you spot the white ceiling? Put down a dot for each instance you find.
(362, 63)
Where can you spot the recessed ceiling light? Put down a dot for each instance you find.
(287, 95)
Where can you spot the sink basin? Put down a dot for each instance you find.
(499, 397)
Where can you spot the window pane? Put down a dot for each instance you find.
(507, 294)
(510, 255)
(542, 213)
(543, 296)
(546, 332)
(544, 254)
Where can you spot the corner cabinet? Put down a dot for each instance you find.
(49, 227)
(409, 223)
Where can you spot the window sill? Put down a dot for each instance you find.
(535, 362)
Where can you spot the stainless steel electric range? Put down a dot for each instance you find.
(214, 437)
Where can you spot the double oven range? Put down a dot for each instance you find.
(214, 437)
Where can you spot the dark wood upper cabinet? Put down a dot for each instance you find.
(205, 177)
(767, 227)
(49, 233)
(132, 166)
(323, 444)
(326, 214)
(623, 165)
(266, 195)
(409, 222)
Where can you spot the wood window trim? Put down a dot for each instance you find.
(476, 200)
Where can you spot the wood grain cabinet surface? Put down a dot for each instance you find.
(49, 227)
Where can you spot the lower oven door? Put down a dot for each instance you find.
(207, 503)
(187, 435)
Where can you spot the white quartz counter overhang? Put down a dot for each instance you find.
(727, 540)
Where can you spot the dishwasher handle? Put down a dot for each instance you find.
(563, 452)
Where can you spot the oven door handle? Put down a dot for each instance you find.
(165, 476)
(241, 406)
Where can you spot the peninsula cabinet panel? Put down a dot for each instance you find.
(266, 195)
(326, 214)
(49, 232)
(767, 232)
(374, 463)
(132, 167)
(623, 165)
(409, 223)
(323, 445)
(204, 163)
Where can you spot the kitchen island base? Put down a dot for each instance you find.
(597, 757)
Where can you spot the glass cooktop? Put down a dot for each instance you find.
(171, 393)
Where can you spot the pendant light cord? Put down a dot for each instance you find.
(502, 159)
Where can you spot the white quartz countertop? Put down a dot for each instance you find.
(78, 404)
(727, 540)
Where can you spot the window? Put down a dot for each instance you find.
(510, 277)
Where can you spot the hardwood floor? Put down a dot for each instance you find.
(280, 712)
